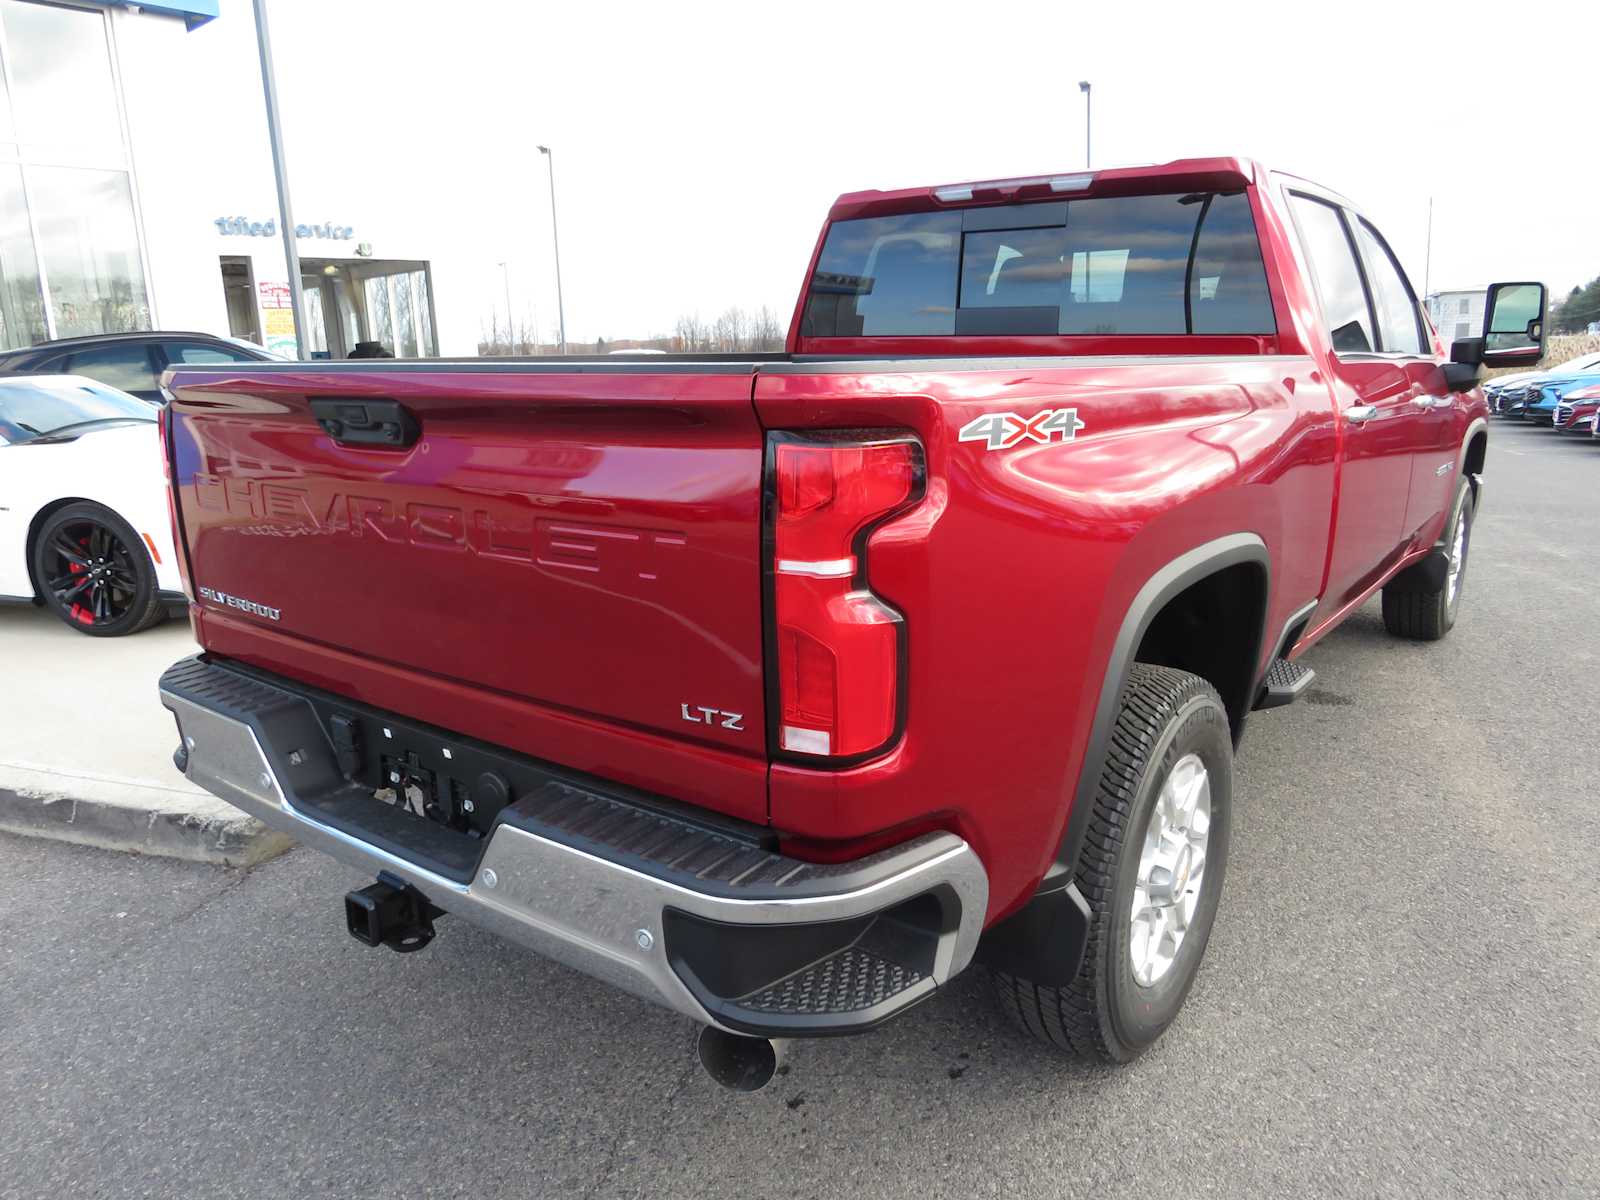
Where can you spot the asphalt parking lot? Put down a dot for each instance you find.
(1402, 995)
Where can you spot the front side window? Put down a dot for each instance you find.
(1338, 278)
(124, 365)
(1166, 264)
(1391, 295)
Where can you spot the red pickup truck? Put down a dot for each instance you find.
(780, 688)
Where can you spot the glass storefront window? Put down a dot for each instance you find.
(419, 287)
(379, 324)
(8, 130)
(21, 304)
(405, 324)
(62, 89)
(78, 267)
(312, 319)
(90, 249)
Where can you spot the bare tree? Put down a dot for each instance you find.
(691, 332)
(765, 332)
(493, 339)
(729, 333)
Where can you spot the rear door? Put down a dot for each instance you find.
(1376, 397)
(577, 550)
(1403, 340)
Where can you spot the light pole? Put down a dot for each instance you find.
(1427, 261)
(280, 171)
(555, 236)
(1088, 126)
(511, 337)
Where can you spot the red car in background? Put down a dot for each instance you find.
(1575, 411)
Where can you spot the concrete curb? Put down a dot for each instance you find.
(134, 815)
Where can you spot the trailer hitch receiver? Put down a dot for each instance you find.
(390, 913)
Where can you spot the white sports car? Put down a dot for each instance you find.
(84, 528)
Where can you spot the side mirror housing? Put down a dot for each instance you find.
(1513, 325)
(1465, 368)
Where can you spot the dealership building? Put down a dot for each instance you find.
(136, 192)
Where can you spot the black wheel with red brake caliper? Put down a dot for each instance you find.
(91, 568)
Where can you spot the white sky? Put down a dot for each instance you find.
(699, 145)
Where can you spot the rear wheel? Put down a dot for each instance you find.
(94, 573)
(1414, 609)
(1151, 870)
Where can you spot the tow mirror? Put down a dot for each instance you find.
(1513, 325)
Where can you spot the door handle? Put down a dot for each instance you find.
(374, 423)
(1360, 413)
(1425, 403)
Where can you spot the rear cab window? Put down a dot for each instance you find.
(1162, 264)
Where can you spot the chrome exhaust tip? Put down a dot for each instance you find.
(738, 1063)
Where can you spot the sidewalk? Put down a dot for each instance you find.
(86, 748)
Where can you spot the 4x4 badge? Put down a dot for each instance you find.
(1004, 430)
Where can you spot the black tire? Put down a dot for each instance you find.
(1411, 609)
(1105, 1014)
(92, 571)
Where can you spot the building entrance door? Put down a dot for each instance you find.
(239, 293)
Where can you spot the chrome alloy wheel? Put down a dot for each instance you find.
(1458, 558)
(1172, 867)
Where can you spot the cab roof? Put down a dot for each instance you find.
(1192, 174)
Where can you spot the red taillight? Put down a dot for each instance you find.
(838, 645)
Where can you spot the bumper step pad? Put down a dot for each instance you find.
(851, 980)
(1284, 683)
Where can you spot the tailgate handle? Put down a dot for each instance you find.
(367, 422)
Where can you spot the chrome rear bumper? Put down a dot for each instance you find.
(898, 924)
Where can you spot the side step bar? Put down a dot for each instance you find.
(1284, 683)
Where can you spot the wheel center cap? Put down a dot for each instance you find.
(1178, 881)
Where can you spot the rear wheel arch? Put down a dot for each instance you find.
(35, 525)
(1235, 566)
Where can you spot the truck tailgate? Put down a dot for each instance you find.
(582, 542)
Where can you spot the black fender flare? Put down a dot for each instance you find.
(1473, 428)
(1179, 574)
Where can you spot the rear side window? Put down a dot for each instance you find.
(124, 365)
(1125, 265)
(1338, 278)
